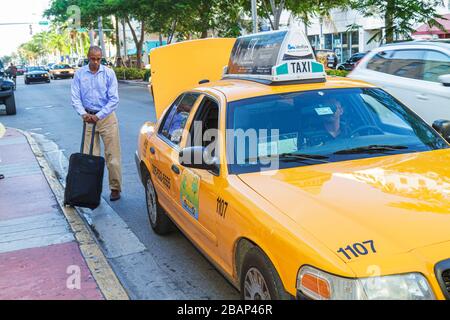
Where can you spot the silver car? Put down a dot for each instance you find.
(417, 73)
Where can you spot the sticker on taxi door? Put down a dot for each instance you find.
(190, 185)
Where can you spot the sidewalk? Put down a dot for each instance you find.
(39, 255)
(138, 83)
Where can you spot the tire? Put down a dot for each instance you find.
(10, 103)
(159, 221)
(26, 82)
(259, 280)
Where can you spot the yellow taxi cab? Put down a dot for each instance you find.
(294, 184)
(61, 71)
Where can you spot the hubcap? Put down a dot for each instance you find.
(255, 286)
(151, 202)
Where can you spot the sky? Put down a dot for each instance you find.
(12, 11)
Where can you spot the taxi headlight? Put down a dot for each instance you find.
(317, 284)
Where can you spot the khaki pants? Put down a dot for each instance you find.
(108, 130)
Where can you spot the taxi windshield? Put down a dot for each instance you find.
(62, 66)
(316, 127)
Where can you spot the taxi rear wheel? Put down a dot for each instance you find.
(159, 220)
(259, 280)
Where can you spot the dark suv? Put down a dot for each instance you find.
(7, 92)
(351, 63)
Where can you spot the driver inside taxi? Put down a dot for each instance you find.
(332, 122)
(327, 123)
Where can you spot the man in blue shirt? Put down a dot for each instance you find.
(95, 97)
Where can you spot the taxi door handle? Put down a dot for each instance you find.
(175, 169)
(152, 150)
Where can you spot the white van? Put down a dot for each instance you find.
(417, 73)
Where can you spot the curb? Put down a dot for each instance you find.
(135, 83)
(102, 272)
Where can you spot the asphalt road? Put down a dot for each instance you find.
(46, 109)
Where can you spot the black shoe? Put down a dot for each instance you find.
(115, 195)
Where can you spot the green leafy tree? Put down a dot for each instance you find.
(129, 10)
(90, 10)
(190, 19)
(61, 15)
(308, 9)
(400, 16)
(304, 9)
(6, 60)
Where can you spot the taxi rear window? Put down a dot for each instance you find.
(316, 127)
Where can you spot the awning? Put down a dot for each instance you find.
(426, 30)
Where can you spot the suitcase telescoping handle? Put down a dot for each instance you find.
(91, 149)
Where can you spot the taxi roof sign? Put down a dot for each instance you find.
(276, 56)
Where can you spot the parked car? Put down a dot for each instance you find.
(337, 205)
(7, 92)
(21, 69)
(416, 72)
(351, 63)
(36, 74)
(61, 71)
(327, 57)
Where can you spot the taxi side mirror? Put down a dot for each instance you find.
(443, 128)
(197, 158)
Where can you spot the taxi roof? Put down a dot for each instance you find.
(238, 89)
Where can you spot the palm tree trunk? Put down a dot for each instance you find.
(138, 42)
(117, 39)
(389, 21)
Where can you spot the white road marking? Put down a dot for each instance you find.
(39, 107)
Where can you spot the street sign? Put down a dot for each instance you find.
(43, 23)
(82, 30)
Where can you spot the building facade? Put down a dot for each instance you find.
(346, 32)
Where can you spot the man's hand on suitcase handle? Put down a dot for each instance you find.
(90, 118)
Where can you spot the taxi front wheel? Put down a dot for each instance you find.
(159, 220)
(259, 279)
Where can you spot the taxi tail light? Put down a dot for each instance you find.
(316, 286)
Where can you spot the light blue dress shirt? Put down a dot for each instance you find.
(97, 92)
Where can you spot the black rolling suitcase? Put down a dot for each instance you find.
(84, 181)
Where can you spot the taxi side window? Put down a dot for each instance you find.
(175, 120)
(204, 128)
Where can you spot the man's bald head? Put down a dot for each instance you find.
(95, 49)
(95, 58)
